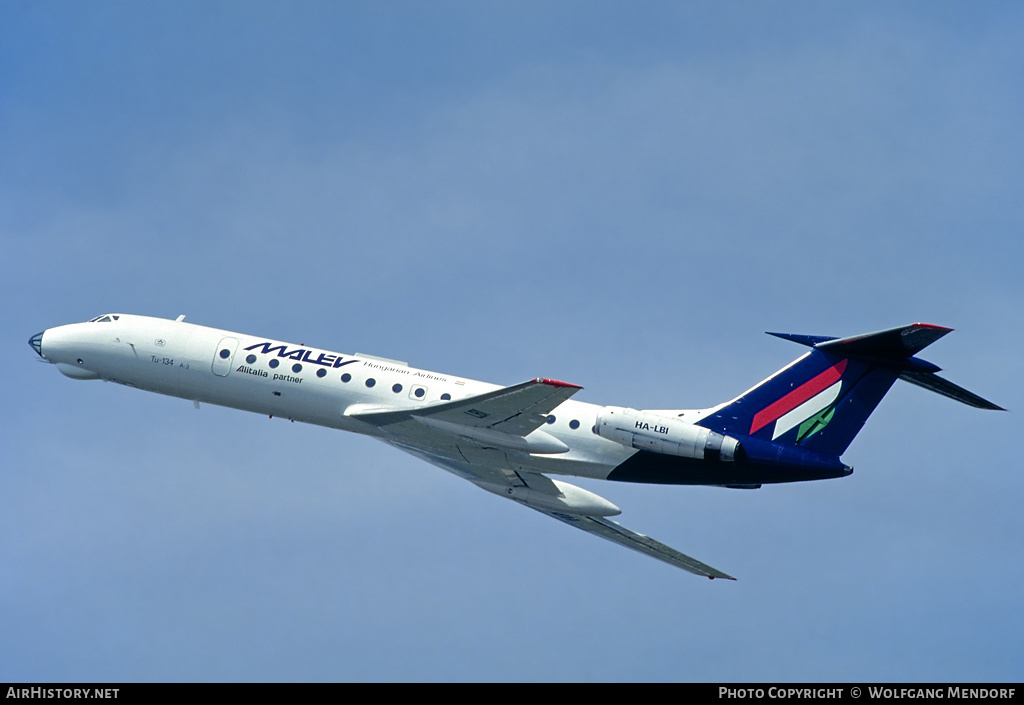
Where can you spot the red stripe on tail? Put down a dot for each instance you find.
(798, 396)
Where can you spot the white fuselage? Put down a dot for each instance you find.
(297, 382)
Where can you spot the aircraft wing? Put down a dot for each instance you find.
(612, 531)
(472, 438)
(508, 418)
(517, 410)
(542, 494)
(616, 533)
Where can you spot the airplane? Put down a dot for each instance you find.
(792, 427)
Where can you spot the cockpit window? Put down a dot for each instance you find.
(105, 318)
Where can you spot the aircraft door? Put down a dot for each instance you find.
(224, 356)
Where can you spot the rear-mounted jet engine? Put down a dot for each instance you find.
(663, 434)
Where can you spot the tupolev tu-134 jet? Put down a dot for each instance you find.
(792, 427)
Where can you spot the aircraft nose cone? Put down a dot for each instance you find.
(36, 341)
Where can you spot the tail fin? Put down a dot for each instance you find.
(821, 401)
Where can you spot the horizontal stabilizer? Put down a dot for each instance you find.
(931, 381)
(895, 343)
(894, 349)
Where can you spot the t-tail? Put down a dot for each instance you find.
(821, 401)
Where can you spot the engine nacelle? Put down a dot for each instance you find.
(663, 434)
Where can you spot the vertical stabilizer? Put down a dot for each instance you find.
(821, 401)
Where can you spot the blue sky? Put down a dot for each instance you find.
(621, 195)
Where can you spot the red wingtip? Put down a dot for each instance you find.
(556, 383)
(932, 325)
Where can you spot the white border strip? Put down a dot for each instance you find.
(809, 408)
